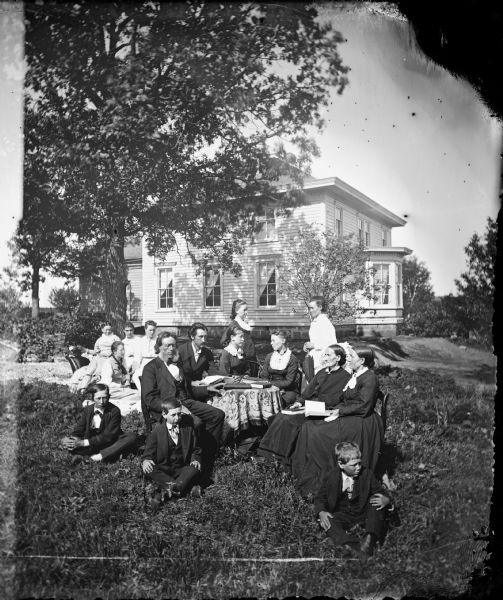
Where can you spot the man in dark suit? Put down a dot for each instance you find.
(195, 360)
(163, 379)
(350, 494)
(172, 456)
(98, 431)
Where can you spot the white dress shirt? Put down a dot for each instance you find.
(197, 352)
(347, 483)
(95, 423)
(173, 431)
(174, 370)
(146, 352)
(322, 335)
(131, 348)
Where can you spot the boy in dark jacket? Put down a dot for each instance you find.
(172, 456)
(97, 433)
(349, 495)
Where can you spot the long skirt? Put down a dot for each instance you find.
(314, 452)
(280, 440)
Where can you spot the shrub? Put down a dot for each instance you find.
(39, 339)
(12, 308)
(83, 329)
(65, 300)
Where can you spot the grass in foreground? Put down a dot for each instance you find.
(439, 453)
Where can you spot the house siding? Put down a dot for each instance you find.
(134, 292)
(188, 296)
(318, 208)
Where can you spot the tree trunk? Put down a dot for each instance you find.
(35, 288)
(115, 280)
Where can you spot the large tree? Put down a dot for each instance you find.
(476, 285)
(170, 117)
(417, 288)
(39, 242)
(324, 264)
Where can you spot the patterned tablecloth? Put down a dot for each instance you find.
(245, 408)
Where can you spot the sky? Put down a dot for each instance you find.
(404, 132)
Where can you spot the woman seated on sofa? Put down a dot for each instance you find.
(232, 359)
(281, 438)
(281, 367)
(355, 421)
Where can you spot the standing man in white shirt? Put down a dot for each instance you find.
(321, 335)
(131, 347)
(146, 351)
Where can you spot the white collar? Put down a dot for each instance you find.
(347, 477)
(332, 369)
(195, 350)
(360, 371)
(233, 351)
(280, 360)
(243, 324)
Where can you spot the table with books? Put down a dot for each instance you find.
(246, 401)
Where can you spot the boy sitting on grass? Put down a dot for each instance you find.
(349, 495)
(172, 456)
(98, 432)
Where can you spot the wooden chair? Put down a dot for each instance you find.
(255, 368)
(382, 407)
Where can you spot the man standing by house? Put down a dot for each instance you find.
(195, 360)
(321, 335)
(146, 352)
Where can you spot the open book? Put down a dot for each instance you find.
(314, 408)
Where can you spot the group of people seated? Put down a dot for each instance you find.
(184, 431)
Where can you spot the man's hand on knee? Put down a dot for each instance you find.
(324, 519)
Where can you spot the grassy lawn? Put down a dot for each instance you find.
(229, 544)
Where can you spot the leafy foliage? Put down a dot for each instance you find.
(40, 239)
(65, 300)
(439, 455)
(469, 314)
(476, 285)
(417, 288)
(38, 339)
(321, 263)
(169, 118)
(12, 306)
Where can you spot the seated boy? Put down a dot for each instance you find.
(98, 431)
(172, 456)
(350, 494)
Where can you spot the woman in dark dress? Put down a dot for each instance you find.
(232, 359)
(281, 367)
(281, 437)
(239, 318)
(355, 421)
